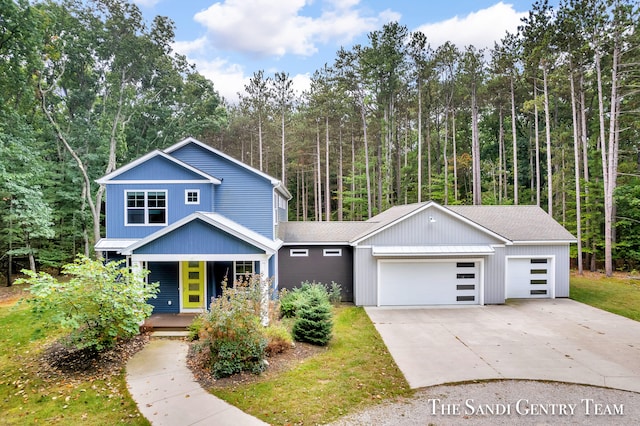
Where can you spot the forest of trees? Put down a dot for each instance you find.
(548, 116)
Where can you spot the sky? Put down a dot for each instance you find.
(229, 40)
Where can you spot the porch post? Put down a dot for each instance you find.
(264, 285)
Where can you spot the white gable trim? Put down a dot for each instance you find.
(218, 221)
(275, 182)
(423, 208)
(108, 178)
(417, 251)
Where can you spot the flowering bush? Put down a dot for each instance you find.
(100, 303)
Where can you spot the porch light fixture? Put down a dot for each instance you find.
(432, 219)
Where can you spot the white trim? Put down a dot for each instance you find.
(146, 207)
(332, 252)
(298, 252)
(163, 182)
(186, 196)
(108, 178)
(414, 251)
(317, 243)
(204, 257)
(544, 243)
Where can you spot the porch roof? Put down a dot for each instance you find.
(215, 221)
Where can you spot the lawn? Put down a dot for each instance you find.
(356, 371)
(619, 295)
(29, 395)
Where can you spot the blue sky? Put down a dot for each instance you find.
(228, 40)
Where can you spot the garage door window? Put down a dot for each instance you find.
(539, 260)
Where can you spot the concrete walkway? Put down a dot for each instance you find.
(167, 394)
(558, 340)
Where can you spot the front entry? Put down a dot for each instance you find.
(193, 286)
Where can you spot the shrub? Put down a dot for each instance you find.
(231, 331)
(335, 293)
(292, 301)
(314, 321)
(101, 303)
(278, 339)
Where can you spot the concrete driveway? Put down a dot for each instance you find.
(552, 339)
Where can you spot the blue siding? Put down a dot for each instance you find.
(166, 273)
(244, 196)
(197, 237)
(176, 207)
(158, 168)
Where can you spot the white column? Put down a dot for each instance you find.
(264, 283)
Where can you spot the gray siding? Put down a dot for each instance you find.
(419, 230)
(561, 254)
(494, 275)
(365, 277)
(316, 267)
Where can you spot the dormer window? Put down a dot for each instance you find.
(192, 196)
(146, 208)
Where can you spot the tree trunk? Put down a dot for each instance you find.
(515, 143)
(366, 158)
(576, 159)
(318, 176)
(419, 140)
(340, 176)
(475, 150)
(327, 188)
(537, 139)
(547, 119)
(454, 155)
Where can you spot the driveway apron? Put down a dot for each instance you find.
(552, 339)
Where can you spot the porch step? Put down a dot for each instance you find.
(169, 333)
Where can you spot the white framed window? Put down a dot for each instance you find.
(146, 208)
(192, 196)
(299, 252)
(241, 269)
(332, 252)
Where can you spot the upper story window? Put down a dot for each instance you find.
(192, 196)
(146, 208)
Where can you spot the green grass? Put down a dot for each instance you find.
(27, 397)
(355, 371)
(617, 295)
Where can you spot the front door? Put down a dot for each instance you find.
(193, 284)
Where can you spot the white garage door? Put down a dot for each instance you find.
(529, 278)
(411, 283)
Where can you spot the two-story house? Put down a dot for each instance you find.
(194, 217)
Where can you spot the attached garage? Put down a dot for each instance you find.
(530, 277)
(403, 282)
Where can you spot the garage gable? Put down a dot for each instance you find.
(429, 225)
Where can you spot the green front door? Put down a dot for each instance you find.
(193, 285)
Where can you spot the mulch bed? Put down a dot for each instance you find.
(277, 363)
(61, 361)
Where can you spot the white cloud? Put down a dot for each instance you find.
(190, 47)
(228, 79)
(481, 28)
(267, 28)
(146, 3)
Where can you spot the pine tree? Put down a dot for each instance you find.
(314, 322)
